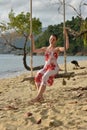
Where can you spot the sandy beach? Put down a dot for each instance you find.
(64, 106)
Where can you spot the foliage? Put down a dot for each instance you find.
(76, 43)
(21, 23)
(84, 27)
(21, 26)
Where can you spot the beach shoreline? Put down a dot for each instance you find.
(11, 65)
(64, 106)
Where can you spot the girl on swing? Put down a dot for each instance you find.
(45, 76)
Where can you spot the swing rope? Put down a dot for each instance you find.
(64, 37)
(31, 54)
(31, 46)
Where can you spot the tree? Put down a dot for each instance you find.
(21, 26)
(83, 22)
(82, 32)
(76, 41)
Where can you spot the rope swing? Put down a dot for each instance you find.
(64, 37)
(62, 75)
(31, 46)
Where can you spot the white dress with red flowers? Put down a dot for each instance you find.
(46, 75)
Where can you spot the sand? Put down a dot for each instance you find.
(64, 106)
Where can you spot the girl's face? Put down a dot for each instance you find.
(52, 40)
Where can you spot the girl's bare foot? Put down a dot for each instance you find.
(37, 99)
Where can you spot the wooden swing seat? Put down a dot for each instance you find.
(60, 75)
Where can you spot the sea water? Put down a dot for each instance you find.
(12, 65)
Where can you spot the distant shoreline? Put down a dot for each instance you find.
(21, 54)
(10, 74)
(12, 65)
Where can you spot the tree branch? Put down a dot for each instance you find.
(75, 33)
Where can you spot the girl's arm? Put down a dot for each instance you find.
(34, 49)
(61, 49)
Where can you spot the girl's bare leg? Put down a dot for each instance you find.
(39, 96)
(37, 86)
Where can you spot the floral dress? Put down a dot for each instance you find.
(46, 75)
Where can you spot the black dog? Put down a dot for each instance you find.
(75, 63)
